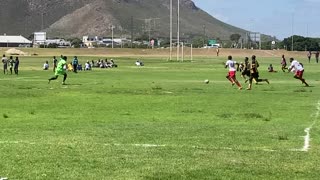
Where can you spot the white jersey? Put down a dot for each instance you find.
(296, 65)
(231, 64)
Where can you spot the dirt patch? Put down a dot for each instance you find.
(16, 52)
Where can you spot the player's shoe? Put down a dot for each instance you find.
(63, 83)
(240, 88)
(248, 88)
(267, 81)
(49, 81)
(246, 81)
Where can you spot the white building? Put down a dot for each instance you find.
(14, 41)
(91, 41)
(59, 42)
(39, 38)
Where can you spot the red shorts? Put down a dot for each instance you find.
(232, 74)
(299, 74)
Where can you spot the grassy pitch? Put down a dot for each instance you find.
(160, 121)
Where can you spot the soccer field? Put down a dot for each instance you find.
(160, 121)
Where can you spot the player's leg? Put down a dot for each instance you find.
(53, 78)
(263, 80)
(299, 75)
(232, 75)
(64, 78)
(75, 68)
(229, 78)
(250, 83)
(237, 83)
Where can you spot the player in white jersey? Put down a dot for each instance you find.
(232, 72)
(298, 70)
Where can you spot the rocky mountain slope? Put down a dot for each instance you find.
(65, 18)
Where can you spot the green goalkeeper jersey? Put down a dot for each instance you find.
(61, 67)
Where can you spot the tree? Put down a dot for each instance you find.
(197, 41)
(75, 42)
(301, 43)
(235, 39)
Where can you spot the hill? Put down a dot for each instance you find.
(65, 18)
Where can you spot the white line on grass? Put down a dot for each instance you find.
(307, 137)
(145, 146)
(306, 147)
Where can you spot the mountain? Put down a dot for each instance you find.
(76, 18)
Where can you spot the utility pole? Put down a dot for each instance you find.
(170, 30)
(131, 31)
(178, 33)
(112, 27)
(148, 26)
(292, 32)
(42, 20)
(204, 34)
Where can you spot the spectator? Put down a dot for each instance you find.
(309, 55)
(79, 67)
(113, 64)
(317, 56)
(11, 62)
(75, 63)
(5, 64)
(139, 63)
(87, 66)
(270, 68)
(46, 66)
(16, 66)
(70, 67)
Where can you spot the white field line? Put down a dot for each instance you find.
(146, 146)
(306, 147)
(307, 137)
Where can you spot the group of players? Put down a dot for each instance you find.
(249, 71)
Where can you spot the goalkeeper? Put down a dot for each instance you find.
(61, 70)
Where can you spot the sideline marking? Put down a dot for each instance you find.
(148, 146)
(307, 137)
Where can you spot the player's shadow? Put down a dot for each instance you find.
(72, 84)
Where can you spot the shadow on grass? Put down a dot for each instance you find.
(72, 84)
(246, 116)
(303, 89)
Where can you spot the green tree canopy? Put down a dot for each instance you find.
(235, 37)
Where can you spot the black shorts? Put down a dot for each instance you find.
(245, 73)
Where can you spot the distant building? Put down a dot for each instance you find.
(59, 42)
(91, 41)
(39, 38)
(14, 41)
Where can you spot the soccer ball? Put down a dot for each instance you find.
(206, 81)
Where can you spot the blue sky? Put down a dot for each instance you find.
(273, 17)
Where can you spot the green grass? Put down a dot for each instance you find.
(160, 121)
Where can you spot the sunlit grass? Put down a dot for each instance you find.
(160, 121)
